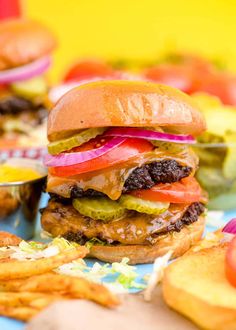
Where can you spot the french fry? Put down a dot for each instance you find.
(7, 239)
(28, 286)
(13, 269)
(24, 305)
(73, 287)
(19, 313)
(30, 299)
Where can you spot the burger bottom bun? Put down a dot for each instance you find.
(178, 242)
(196, 286)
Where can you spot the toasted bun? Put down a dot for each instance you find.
(123, 103)
(195, 286)
(178, 242)
(23, 41)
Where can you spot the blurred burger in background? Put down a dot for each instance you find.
(25, 48)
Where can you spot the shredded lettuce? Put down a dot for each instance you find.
(156, 276)
(62, 243)
(119, 276)
(45, 235)
(31, 247)
(94, 241)
(26, 251)
(34, 250)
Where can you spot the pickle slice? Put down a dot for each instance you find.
(99, 208)
(213, 180)
(143, 206)
(30, 89)
(74, 141)
(229, 164)
(172, 147)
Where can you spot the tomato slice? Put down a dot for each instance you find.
(222, 85)
(89, 68)
(125, 151)
(178, 76)
(230, 262)
(186, 191)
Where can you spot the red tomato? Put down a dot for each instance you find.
(174, 75)
(196, 62)
(88, 69)
(186, 191)
(125, 151)
(230, 262)
(222, 85)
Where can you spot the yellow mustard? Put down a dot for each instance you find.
(15, 174)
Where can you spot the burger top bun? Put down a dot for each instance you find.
(23, 41)
(124, 103)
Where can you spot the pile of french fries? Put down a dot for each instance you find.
(28, 286)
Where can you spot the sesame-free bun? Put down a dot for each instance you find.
(124, 103)
(23, 41)
(196, 286)
(177, 242)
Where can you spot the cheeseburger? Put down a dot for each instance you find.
(25, 47)
(121, 170)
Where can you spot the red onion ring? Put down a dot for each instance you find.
(230, 227)
(25, 72)
(149, 135)
(67, 159)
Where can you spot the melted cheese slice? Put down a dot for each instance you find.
(111, 181)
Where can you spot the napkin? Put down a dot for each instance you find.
(133, 314)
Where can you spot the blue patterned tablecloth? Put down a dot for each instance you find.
(9, 324)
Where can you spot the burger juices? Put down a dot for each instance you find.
(121, 170)
(24, 57)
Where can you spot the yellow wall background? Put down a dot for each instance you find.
(137, 29)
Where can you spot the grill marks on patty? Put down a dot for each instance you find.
(189, 217)
(134, 228)
(144, 177)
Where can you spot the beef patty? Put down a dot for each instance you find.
(144, 177)
(134, 228)
(15, 106)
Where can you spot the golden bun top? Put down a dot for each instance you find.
(23, 41)
(124, 103)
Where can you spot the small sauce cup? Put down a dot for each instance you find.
(19, 200)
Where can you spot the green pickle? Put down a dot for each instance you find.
(99, 209)
(30, 89)
(171, 147)
(229, 164)
(74, 141)
(143, 206)
(213, 180)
